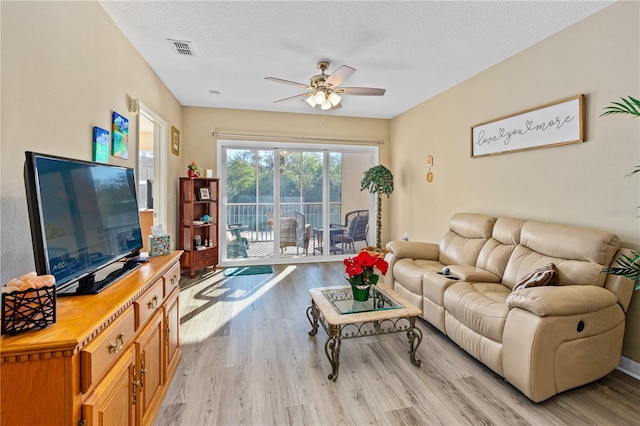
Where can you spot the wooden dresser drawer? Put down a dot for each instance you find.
(148, 303)
(102, 352)
(204, 257)
(171, 279)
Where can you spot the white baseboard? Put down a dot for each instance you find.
(629, 367)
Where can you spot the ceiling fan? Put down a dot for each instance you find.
(323, 89)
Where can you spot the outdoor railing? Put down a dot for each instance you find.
(254, 217)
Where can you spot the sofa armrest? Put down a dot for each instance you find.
(558, 338)
(413, 250)
(561, 301)
(473, 274)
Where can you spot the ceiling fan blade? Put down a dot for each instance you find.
(339, 76)
(293, 83)
(361, 91)
(301, 95)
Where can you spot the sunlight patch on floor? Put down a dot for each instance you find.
(228, 305)
(245, 302)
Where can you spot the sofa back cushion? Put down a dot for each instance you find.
(504, 238)
(580, 254)
(468, 232)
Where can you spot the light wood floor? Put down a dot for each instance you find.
(248, 360)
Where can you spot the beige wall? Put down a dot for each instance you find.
(581, 184)
(200, 123)
(200, 145)
(145, 141)
(65, 67)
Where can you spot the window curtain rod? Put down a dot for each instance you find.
(293, 138)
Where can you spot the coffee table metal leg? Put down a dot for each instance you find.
(312, 315)
(415, 338)
(332, 349)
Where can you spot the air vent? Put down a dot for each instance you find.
(182, 47)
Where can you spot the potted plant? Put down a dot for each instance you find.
(362, 272)
(378, 180)
(192, 170)
(629, 266)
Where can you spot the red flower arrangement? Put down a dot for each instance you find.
(360, 269)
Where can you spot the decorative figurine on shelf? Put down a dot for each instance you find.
(192, 170)
(206, 218)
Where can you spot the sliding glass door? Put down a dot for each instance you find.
(287, 203)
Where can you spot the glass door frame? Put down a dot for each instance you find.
(224, 144)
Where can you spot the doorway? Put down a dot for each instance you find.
(152, 161)
(281, 198)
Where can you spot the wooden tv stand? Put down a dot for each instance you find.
(108, 359)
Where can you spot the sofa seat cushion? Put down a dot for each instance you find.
(481, 307)
(410, 272)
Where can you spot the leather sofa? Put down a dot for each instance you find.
(543, 339)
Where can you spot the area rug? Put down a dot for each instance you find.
(248, 270)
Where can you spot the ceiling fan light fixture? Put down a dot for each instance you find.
(334, 99)
(311, 100)
(324, 89)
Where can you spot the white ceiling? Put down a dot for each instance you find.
(414, 49)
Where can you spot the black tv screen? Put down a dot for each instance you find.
(84, 216)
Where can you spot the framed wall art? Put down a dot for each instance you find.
(175, 140)
(120, 136)
(557, 123)
(100, 145)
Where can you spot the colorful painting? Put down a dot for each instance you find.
(120, 132)
(100, 145)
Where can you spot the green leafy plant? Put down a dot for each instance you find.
(629, 106)
(629, 266)
(378, 180)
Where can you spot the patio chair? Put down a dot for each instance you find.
(294, 232)
(236, 246)
(355, 228)
(243, 232)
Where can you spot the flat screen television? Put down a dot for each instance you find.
(84, 221)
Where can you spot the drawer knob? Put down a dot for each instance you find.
(113, 346)
(153, 303)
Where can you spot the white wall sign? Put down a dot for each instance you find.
(557, 123)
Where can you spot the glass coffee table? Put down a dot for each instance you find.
(344, 318)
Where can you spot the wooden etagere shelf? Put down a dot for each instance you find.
(198, 236)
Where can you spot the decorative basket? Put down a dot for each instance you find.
(28, 309)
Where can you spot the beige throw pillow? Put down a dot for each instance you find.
(545, 275)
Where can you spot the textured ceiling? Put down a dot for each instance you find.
(415, 49)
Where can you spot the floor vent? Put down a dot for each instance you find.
(182, 47)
